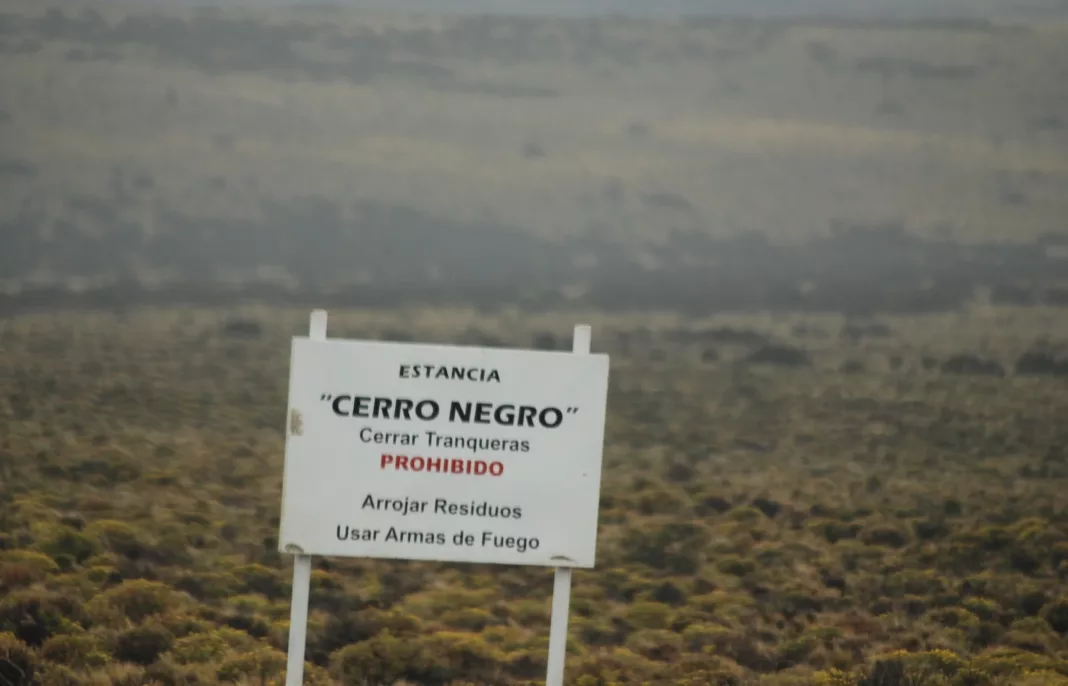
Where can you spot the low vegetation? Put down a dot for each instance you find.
(789, 500)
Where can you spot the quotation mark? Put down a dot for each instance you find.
(572, 410)
(326, 397)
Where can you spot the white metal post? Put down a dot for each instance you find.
(302, 567)
(562, 579)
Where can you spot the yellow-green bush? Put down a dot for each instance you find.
(1056, 614)
(133, 601)
(18, 664)
(382, 659)
(79, 651)
(648, 615)
(34, 615)
(66, 544)
(262, 665)
(19, 568)
(142, 644)
(118, 537)
(199, 648)
(658, 645)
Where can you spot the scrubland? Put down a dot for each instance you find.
(786, 500)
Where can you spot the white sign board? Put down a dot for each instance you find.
(448, 453)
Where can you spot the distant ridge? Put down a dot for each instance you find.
(1010, 10)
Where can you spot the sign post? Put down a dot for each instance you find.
(302, 565)
(554, 676)
(411, 451)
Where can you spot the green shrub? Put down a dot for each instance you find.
(80, 651)
(658, 645)
(182, 623)
(394, 621)
(208, 585)
(325, 581)
(256, 578)
(613, 666)
(133, 600)
(118, 537)
(794, 651)
(901, 667)
(60, 675)
(468, 619)
(249, 603)
(67, 542)
(199, 648)
(669, 592)
(648, 615)
(660, 501)
(168, 673)
(1056, 614)
(1006, 661)
(35, 615)
(955, 617)
(507, 638)
(1059, 553)
(686, 616)
(461, 654)
(983, 608)
(526, 664)
(710, 670)
(701, 636)
(791, 676)
(917, 582)
(618, 584)
(1043, 677)
(673, 546)
(735, 565)
(383, 658)
(259, 666)
(18, 664)
(745, 513)
(19, 568)
(833, 530)
(597, 631)
(885, 535)
(142, 645)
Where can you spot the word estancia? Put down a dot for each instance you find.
(433, 371)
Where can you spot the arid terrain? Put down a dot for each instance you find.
(829, 260)
(783, 497)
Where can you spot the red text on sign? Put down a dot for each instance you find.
(440, 465)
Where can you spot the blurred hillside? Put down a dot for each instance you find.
(868, 9)
(704, 163)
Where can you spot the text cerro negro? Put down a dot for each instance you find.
(505, 414)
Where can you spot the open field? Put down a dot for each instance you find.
(787, 500)
(702, 163)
